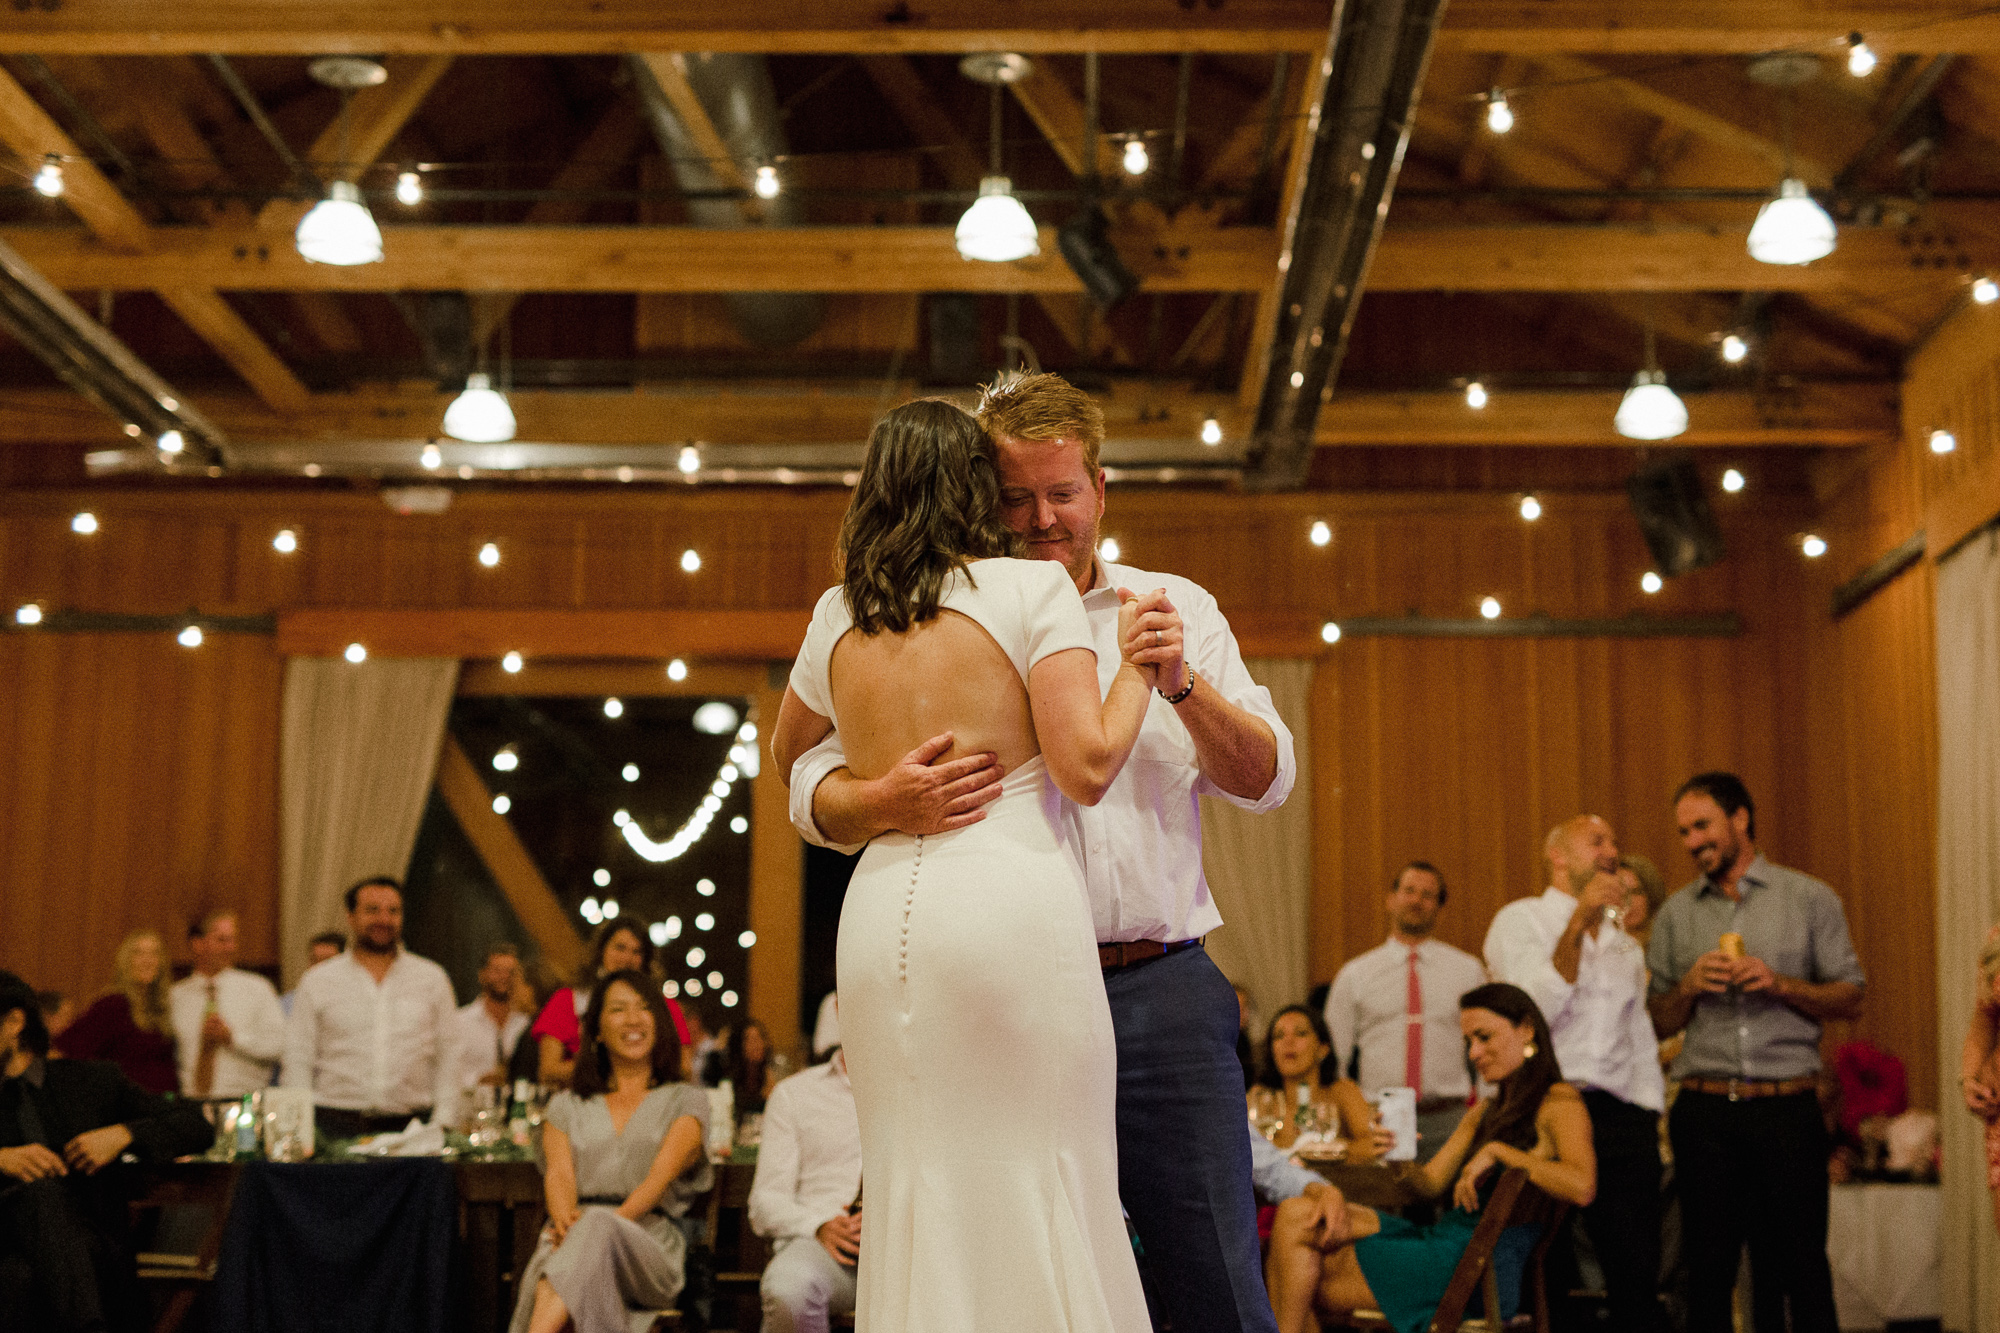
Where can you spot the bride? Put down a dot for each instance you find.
(972, 1008)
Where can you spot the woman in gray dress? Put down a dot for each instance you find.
(624, 1158)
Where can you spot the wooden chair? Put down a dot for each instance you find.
(178, 1222)
(1515, 1202)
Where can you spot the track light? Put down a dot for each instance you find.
(1499, 115)
(49, 180)
(1860, 59)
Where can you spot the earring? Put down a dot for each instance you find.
(1528, 1051)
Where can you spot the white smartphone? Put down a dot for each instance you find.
(1398, 1108)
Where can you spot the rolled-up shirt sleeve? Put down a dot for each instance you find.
(1516, 954)
(808, 771)
(1215, 655)
(1833, 956)
(1273, 1176)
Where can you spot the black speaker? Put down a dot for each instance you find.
(1086, 246)
(1673, 514)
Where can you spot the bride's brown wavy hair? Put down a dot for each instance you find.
(927, 504)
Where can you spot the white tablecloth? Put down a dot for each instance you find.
(1883, 1242)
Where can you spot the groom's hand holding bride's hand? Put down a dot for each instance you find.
(919, 796)
(1150, 638)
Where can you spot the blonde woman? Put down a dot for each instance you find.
(128, 1024)
(1979, 1065)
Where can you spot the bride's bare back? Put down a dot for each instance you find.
(895, 691)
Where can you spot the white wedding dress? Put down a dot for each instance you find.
(978, 1037)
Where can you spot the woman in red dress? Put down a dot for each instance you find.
(129, 1025)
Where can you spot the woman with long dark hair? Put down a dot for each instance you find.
(972, 1007)
(1336, 1256)
(624, 1157)
(1298, 1055)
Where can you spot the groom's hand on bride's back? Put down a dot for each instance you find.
(922, 795)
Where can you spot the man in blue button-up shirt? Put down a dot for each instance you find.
(1750, 960)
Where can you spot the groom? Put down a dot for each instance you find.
(1183, 1155)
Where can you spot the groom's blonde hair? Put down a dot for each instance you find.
(1042, 406)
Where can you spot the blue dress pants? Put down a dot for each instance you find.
(1183, 1152)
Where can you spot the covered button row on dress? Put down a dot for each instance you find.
(909, 901)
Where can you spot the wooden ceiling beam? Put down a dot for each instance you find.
(1059, 114)
(1185, 257)
(375, 116)
(1811, 415)
(580, 27)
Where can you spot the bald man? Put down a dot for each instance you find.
(1568, 950)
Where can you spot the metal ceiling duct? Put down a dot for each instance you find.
(96, 364)
(735, 91)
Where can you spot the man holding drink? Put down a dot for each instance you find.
(1750, 959)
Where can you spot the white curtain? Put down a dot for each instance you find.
(357, 754)
(1260, 866)
(1968, 903)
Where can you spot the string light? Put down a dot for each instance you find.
(1813, 546)
(356, 654)
(27, 614)
(172, 442)
(1108, 550)
(614, 707)
(1860, 59)
(1320, 533)
(693, 987)
(1734, 348)
(677, 670)
(590, 911)
(511, 664)
(501, 804)
(1732, 481)
(1136, 160)
(1211, 432)
(1329, 633)
(489, 554)
(1490, 608)
(697, 823)
(706, 921)
(1650, 583)
(746, 939)
(690, 561)
(432, 458)
(409, 189)
(1943, 441)
(689, 461)
(49, 180)
(285, 542)
(1531, 508)
(189, 637)
(506, 759)
(715, 979)
(696, 956)
(1475, 395)
(630, 773)
(1985, 291)
(1499, 115)
(601, 877)
(84, 523)
(670, 988)
(729, 999)
(739, 825)
(705, 887)
(766, 186)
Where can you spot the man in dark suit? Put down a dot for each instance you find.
(65, 1259)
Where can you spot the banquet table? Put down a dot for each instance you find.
(1371, 1184)
(1883, 1242)
(416, 1243)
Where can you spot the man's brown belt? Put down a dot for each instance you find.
(1739, 1089)
(1133, 953)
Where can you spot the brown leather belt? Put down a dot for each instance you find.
(1135, 953)
(1740, 1089)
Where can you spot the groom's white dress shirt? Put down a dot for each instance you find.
(1141, 844)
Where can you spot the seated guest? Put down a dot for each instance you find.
(1297, 1055)
(228, 1024)
(619, 945)
(1393, 1011)
(370, 1033)
(1354, 1258)
(746, 1064)
(318, 949)
(624, 1154)
(485, 1032)
(808, 1178)
(65, 1258)
(130, 1025)
(58, 1011)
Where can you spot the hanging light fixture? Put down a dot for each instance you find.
(1792, 228)
(996, 228)
(1650, 410)
(479, 415)
(340, 229)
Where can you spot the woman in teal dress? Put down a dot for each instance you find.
(1336, 1256)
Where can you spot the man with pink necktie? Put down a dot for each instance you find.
(1567, 948)
(1393, 1011)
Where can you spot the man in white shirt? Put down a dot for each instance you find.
(484, 1033)
(318, 949)
(228, 1026)
(1393, 1011)
(1567, 950)
(808, 1176)
(370, 1031)
(1183, 1160)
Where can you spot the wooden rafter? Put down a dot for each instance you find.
(498, 27)
(1829, 415)
(375, 116)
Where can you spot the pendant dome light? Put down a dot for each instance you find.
(340, 229)
(1792, 228)
(479, 415)
(1650, 410)
(996, 228)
